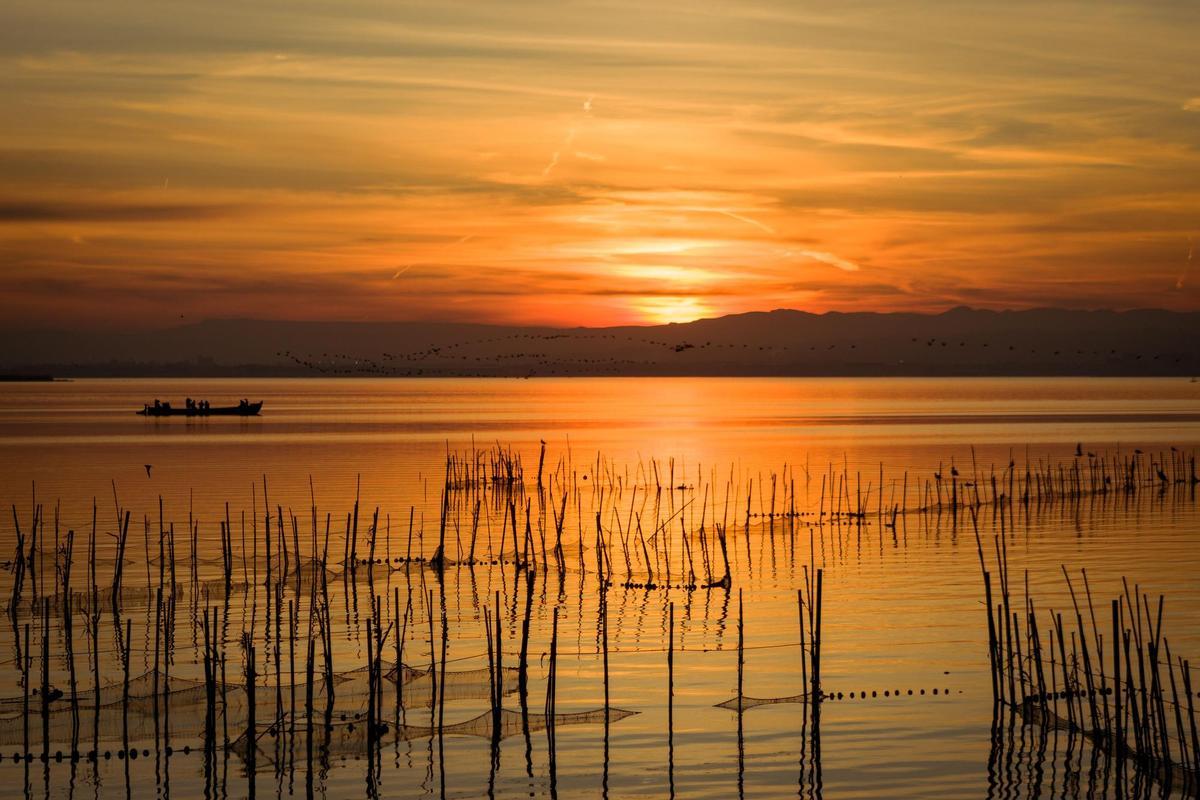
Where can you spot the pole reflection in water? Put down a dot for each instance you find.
(525, 610)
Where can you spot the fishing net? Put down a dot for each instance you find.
(754, 702)
(186, 703)
(271, 744)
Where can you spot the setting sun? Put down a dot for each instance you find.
(663, 310)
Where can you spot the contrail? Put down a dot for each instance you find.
(740, 218)
(570, 137)
(557, 153)
(817, 255)
(831, 260)
(461, 240)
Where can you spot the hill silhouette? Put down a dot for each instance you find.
(960, 341)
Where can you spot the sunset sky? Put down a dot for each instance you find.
(592, 162)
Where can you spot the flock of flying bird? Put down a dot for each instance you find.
(456, 358)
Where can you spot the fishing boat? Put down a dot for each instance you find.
(244, 409)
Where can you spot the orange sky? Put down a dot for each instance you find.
(592, 162)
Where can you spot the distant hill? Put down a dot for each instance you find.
(961, 341)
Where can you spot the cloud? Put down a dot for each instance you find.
(831, 260)
(17, 211)
(962, 145)
(740, 218)
(554, 159)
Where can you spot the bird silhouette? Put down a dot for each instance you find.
(147, 466)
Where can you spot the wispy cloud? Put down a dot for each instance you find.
(831, 260)
(567, 141)
(114, 211)
(874, 149)
(742, 218)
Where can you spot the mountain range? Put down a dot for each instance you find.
(961, 341)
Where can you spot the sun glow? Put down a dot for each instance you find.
(662, 310)
(668, 273)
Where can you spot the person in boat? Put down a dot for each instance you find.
(157, 405)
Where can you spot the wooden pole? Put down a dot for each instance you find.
(816, 654)
(1118, 720)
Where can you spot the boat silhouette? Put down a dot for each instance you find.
(195, 410)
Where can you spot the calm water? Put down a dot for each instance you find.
(902, 608)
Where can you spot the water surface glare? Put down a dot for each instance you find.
(763, 458)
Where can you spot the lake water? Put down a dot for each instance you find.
(902, 605)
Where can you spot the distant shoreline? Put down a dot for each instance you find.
(20, 378)
(961, 342)
(236, 373)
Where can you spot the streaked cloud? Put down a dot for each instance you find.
(831, 260)
(114, 211)
(590, 163)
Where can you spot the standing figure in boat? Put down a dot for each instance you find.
(201, 408)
